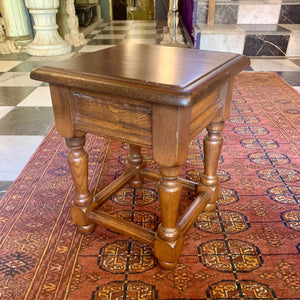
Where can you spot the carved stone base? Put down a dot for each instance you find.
(48, 50)
(21, 42)
(47, 41)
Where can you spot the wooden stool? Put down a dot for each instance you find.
(148, 96)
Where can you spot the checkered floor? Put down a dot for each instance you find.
(25, 105)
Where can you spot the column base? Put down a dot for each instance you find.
(48, 50)
(21, 42)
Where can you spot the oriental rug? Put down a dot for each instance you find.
(247, 249)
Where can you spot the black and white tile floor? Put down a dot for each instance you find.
(25, 105)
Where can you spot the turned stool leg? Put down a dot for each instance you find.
(213, 142)
(169, 242)
(78, 163)
(135, 160)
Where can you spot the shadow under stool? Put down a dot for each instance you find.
(155, 97)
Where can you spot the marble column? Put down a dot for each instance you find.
(47, 41)
(15, 24)
(68, 24)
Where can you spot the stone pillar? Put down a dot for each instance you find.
(47, 41)
(15, 23)
(68, 23)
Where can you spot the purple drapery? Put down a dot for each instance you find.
(186, 8)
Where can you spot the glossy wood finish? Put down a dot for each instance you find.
(148, 96)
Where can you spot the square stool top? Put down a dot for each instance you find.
(166, 75)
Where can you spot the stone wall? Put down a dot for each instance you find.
(252, 27)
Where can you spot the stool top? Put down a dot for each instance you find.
(151, 73)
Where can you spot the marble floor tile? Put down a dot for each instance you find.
(17, 79)
(223, 42)
(297, 88)
(142, 23)
(294, 45)
(7, 65)
(28, 66)
(296, 61)
(88, 37)
(111, 42)
(118, 27)
(148, 27)
(14, 56)
(4, 185)
(248, 69)
(141, 32)
(143, 28)
(294, 42)
(112, 31)
(109, 36)
(292, 78)
(94, 32)
(292, 27)
(266, 45)
(4, 110)
(265, 28)
(51, 58)
(120, 23)
(273, 65)
(93, 48)
(249, 13)
(13, 95)
(27, 121)
(12, 162)
(39, 97)
(219, 29)
(140, 36)
(141, 41)
(290, 14)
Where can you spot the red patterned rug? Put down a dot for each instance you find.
(248, 248)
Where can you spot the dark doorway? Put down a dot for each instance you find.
(119, 9)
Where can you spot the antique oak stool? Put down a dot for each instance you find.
(148, 96)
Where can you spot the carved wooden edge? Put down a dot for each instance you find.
(187, 97)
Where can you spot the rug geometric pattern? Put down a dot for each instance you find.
(248, 248)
